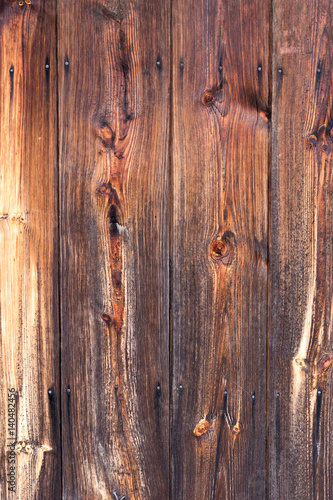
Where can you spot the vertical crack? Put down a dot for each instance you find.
(59, 244)
(269, 173)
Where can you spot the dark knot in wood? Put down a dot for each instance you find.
(223, 249)
(321, 139)
(208, 98)
(324, 362)
(218, 97)
(106, 318)
(105, 189)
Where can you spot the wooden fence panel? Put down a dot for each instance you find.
(166, 241)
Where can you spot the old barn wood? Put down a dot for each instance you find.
(166, 224)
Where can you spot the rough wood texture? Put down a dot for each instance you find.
(221, 120)
(114, 138)
(185, 236)
(301, 252)
(29, 337)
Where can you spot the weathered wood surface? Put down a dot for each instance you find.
(301, 252)
(174, 237)
(29, 329)
(114, 80)
(220, 151)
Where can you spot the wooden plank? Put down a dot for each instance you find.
(29, 361)
(301, 252)
(221, 118)
(114, 135)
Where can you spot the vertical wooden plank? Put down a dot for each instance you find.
(221, 119)
(301, 252)
(114, 135)
(29, 361)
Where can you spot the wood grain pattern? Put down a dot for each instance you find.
(114, 138)
(166, 278)
(301, 252)
(29, 339)
(221, 117)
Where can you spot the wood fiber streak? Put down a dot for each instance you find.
(301, 250)
(29, 329)
(221, 122)
(114, 138)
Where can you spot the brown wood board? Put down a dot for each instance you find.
(221, 71)
(301, 253)
(29, 363)
(114, 176)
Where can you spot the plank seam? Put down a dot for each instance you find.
(269, 173)
(59, 249)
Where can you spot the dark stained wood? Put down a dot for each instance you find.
(114, 105)
(220, 154)
(300, 458)
(29, 327)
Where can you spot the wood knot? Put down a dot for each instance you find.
(19, 218)
(105, 189)
(265, 115)
(107, 136)
(321, 139)
(208, 98)
(201, 427)
(236, 429)
(106, 318)
(312, 140)
(324, 362)
(218, 96)
(23, 447)
(222, 249)
(303, 364)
